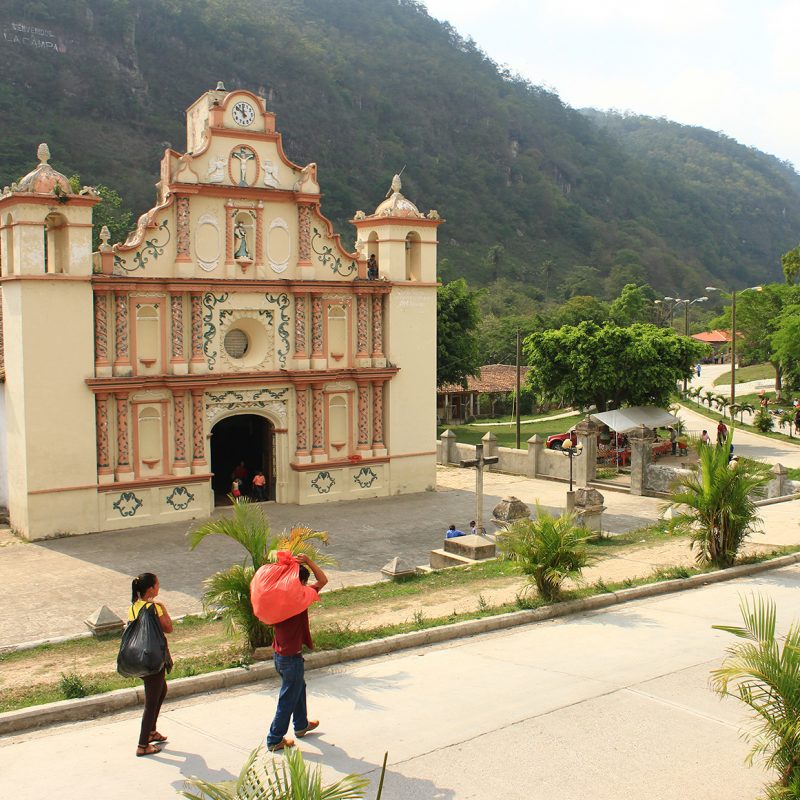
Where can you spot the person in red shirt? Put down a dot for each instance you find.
(289, 638)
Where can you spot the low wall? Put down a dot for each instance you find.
(660, 478)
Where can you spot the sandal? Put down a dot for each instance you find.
(155, 736)
(149, 750)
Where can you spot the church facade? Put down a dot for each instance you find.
(230, 334)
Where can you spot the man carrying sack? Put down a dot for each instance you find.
(269, 591)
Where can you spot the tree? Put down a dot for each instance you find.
(791, 265)
(497, 337)
(716, 503)
(764, 673)
(109, 212)
(577, 309)
(457, 319)
(228, 591)
(785, 342)
(591, 365)
(634, 304)
(550, 549)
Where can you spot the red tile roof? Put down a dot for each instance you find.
(713, 337)
(492, 378)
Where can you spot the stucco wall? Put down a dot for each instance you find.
(3, 451)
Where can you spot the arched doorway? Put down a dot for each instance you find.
(248, 438)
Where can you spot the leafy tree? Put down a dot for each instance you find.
(716, 503)
(497, 337)
(581, 280)
(785, 343)
(791, 265)
(592, 365)
(457, 319)
(763, 672)
(578, 309)
(550, 549)
(228, 591)
(634, 304)
(109, 212)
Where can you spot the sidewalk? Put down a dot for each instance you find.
(623, 693)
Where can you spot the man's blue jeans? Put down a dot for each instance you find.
(292, 697)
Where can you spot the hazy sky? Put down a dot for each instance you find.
(728, 65)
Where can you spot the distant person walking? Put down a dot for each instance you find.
(144, 591)
(722, 433)
(698, 370)
(673, 439)
(705, 438)
(259, 487)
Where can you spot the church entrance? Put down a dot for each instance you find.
(245, 445)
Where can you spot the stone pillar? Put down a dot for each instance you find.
(183, 246)
(378, 445)
(301, 418)
(122, 358)
(199, 462)
(378, 357)
(363, 446)
(589, 509)
(448, 440)
(641, 457)
(105, 474)
(300, 355)
(305, 269)
(180, 466)
(197, 362)
(362, 332)
(777, 487)
(535, 447)
(124, 470)
(490, 448)
(180, 365)
(317, 424)
(318, 360)
(586, 463)
(102, 366)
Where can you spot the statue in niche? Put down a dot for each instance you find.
(270, 174)
(240, 232)
(216, 170)
(243, 155)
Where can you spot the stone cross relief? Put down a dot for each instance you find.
(479, 462)
(243, 155)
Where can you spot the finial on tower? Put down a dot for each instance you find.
(43, 153)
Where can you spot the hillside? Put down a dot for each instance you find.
(530, 188)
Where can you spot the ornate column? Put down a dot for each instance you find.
(304, 235)
(180, 464)
(178, 357)
(102, 366)
(229, 213)
(197, 362)
(300, 326)
(377, 418)
(317, 427)
(260, 234)
(198, 430)
(318, 360)
(362, 327)
(124, 470)
(104, 472)
(122, 359)
(363, 416)
(183, 245)
(301, 421)
(377, 326)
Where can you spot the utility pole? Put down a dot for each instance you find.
(519, 359)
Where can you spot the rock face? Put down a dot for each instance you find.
(588, 498)
(510, 509)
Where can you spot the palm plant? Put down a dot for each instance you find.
(786, 419)
(763, 420)
(550, 549)
(228, 591)
(709, 397)
(722, 403)
(293, 779)
(716, 502)
(766, 678)
(745, 408)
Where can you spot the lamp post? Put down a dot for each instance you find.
(686, 304)
(733, 333)
(571, 450)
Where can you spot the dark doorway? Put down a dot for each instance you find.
(248, 438)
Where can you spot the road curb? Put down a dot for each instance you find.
(110, 702)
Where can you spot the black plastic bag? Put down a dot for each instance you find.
(143, 650)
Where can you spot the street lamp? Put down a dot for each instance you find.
(733, 333)
(667, 309)
(686, 304)
(571, 450)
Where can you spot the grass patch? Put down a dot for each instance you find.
(743, 426)
(755, 372)
(507, 436)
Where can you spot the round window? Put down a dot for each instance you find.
(236, 343)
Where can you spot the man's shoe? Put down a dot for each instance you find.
(313, 724)
(281, 745)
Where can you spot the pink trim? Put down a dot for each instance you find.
(123, 454)
(198, 430)
(122, 328)
(318, 429)
(197, 327)
(301, 420)
(179, 425)
(377, 326)
(377, 415)
(300, 325)
(101, 329)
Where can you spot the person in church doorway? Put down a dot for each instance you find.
(259, 487)
(372, 268)
(240, 472)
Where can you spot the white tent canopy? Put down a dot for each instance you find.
(625, 420)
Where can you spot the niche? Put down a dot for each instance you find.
(413, 257)
(337, 335)
(150, 440)
(56, 244)
(338, 428)
(148, 337)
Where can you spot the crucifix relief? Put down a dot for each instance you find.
(479, 462)
(243, 155)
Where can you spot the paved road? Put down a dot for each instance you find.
(604, 705)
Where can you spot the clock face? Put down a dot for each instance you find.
(243, 113)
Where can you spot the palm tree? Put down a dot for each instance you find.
(787, 418)
(709, 397)
(766, 678)
(745, 408)
(292, 778)
(722, 403)
(550, 549)
(228, 591)
(718, 508)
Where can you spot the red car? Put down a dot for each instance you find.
(556, 441)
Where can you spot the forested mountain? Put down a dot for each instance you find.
(531, 189)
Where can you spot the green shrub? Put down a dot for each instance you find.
(763, 420)
(72, 685)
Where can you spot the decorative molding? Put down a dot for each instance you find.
(101, 327)
(183, 215)
(216, 169)
(209, 328)
(121, 325)
(176, 316)
(228, 317)
(101, 403)
(324, 482)
(365, 477)
(304, 230)
(180, 498)
(127, 504)
(326, 257)
(151, 248)
(282, 302)
(271, 400)
(278, 266)
(207, 262)
(300, 324)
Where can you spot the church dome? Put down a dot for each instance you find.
(44, 179)
(397, 204)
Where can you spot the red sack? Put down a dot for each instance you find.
(276, 592)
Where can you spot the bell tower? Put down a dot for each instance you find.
(47, 314)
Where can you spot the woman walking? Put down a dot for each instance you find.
(144, 591)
